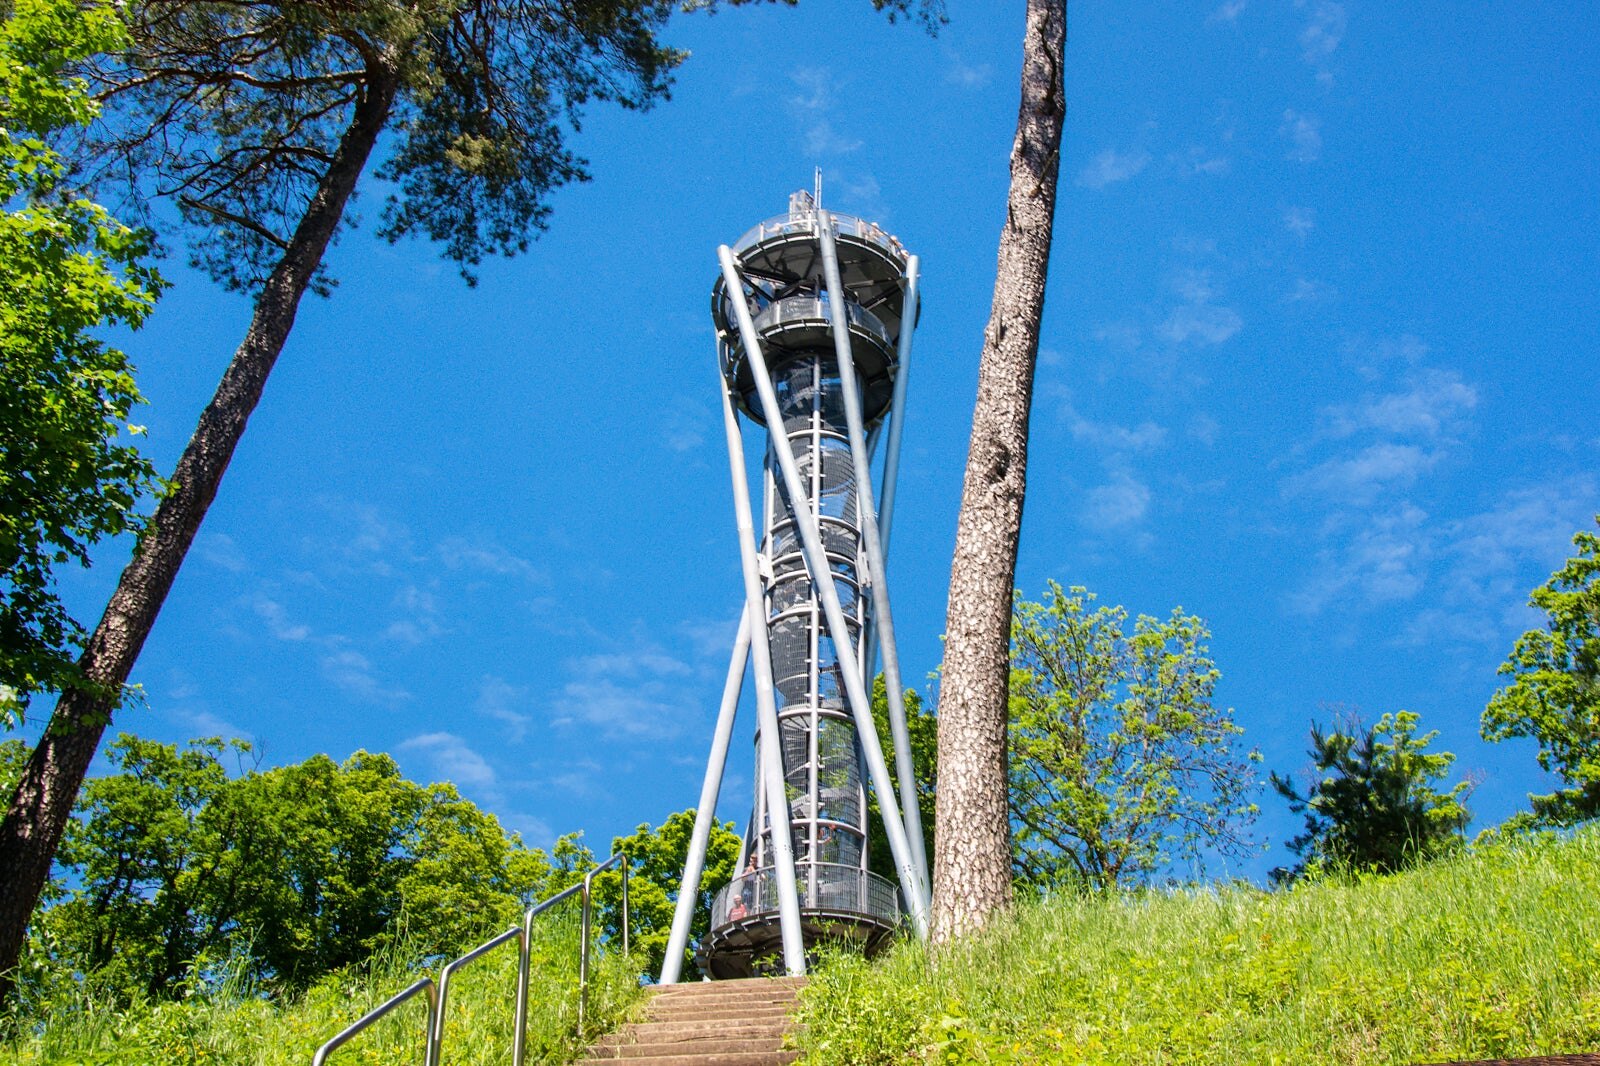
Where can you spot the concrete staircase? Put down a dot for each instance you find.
(709, 1023)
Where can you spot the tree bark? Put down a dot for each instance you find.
(972, 844)
(44, 797)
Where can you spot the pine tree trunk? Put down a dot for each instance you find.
(42, 804)
(972, 844)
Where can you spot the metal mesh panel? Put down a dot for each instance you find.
(838, 772)
(796, 747)
(795, 385)
(790, 640)
(837, 498)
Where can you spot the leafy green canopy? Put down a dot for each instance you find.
(922, 730)
(1372, 804)
(69, 474)
(291, 872)
(188, 858)
(656, 858)
(1121, 766)
(1554, 696)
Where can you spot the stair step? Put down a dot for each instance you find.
(689, 1029)
(712, 1058)
(731, 1012)
(721, 1023)
(727, 1045)
(688, 1006)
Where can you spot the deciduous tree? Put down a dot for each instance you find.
(972, 843)
(1371, 803)
(656, 858)
(1554, 696)
(923, 729)
(69, 472)
(179, 860)
(1122, 766)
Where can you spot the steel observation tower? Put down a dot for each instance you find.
(814, 314)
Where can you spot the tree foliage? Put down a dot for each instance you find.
(178, 864)
(922, 729)
(656, 859)
(70, 474)
(1121, 765)
(1372, 804)
(1554, 696)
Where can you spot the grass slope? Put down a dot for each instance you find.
(1490, 954)
(228, 1026)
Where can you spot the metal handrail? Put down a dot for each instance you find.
(436, 1049)
(583, 960)
(438, 994)
(349, 1031)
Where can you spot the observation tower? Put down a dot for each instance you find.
(814, 314)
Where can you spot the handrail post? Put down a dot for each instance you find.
(583, 954)
(519, 1041)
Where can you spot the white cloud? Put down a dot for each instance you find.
(1123, 336)
(498, 701)
(1118, 503)
(1198, 320)
(1304, 133)
(1383, 562)
(637, 710)
(1436, 402)
(1324, 29)
(1109, 436)
(811, 110)
(420, 622)
(1356, 480)
(641, 693)
(1204, 428)
(1112, 166)
(967, 75)
(1306, 291)
(278, 624)
(1229, 11)
(1300, 221)
(353, 674)
(1201, 323)
(220, 551)
(452, 759)
(460, 553)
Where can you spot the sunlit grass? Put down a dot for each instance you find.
(1485, 955)
(233, 1025)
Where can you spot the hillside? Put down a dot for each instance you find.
(1490, 954)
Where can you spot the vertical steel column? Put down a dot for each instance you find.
(821, 577)
(771, 768)
(883, 618)
(706, 814)
(902, 375)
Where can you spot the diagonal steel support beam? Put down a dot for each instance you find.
(705, 816)
(882, 617)
(770, 772)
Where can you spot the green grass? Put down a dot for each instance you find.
(230, 1026)
(1490, 954)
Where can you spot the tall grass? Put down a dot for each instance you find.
(1490, 954)
(231, 1024)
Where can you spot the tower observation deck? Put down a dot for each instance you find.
(814, 313)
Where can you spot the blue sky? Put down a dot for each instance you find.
(1318, 364)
